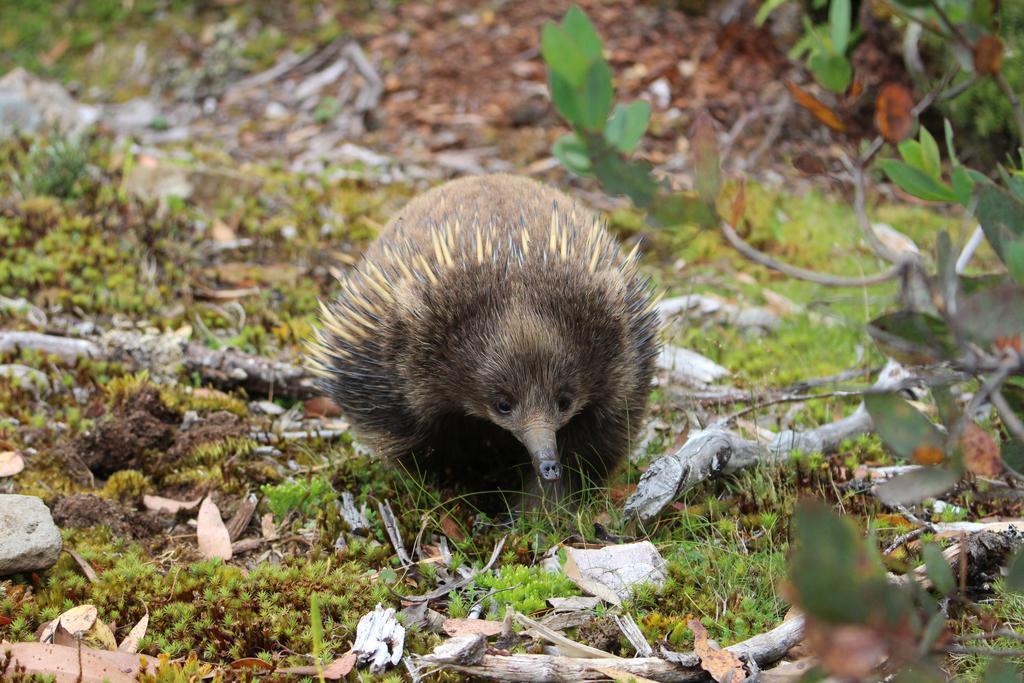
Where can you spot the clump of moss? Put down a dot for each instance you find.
(525, 589)
(126, 486)
(301, 496)
(217, 611)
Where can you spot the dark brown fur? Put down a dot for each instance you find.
(418, 350)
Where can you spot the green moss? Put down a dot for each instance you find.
(126, 486)
(302, 496)
(218, 612)
(525, 589)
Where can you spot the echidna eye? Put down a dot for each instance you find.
(503, 406)
(564, 402)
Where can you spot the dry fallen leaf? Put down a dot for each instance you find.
(86, 568)
(847, 651)
(78, 620)
(894, 112)
(981, 454)
(138, 632)
(160, 504)
(337, 669)
(464, 627)
(11, 463)
(988, 55)
(221, 232)
(451, 528)
(214, 539)
(928, 455)
(818, 109)
(721, 664)
(74, 664)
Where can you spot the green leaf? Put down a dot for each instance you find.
(900, 425)
(913, 337)
(910, 150)
(916, 182)
(707, 164)
(1012, 453)
(562, 55)
(1015, 573)
(583, 33)
(963, 185)
(766, 8)
(597, 96)
(823, 565)
(1015, 259)
(938, 569)
(565, 97)
(832, 71)
(948, 129)
(572, 154)
(988, 314)
(932, 163)
(627, 125)
(632, 179)
(1001, 215)
(1000, 671)
(915, 486)
(839, 25)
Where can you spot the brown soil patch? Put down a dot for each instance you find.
(142, 433)
(86, 510)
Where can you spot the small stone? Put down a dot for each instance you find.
(29, 540)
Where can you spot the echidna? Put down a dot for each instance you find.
(494, 325)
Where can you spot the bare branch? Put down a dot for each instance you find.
(800, 273)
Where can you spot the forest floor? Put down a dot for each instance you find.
(246, 156)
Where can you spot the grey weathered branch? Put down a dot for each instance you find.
(715, 451)
(764, 259)
(471, 659)
(167, 354)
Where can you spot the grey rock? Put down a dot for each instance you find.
(29, 540)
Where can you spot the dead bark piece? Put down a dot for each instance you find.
(636, 638)
(387, 516)
(613, 572)
(240, 520)
(461, 627)
(379, 640)
(689, 367)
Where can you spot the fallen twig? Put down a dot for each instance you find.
(458, 583)
(169, 354)
(470, 658)
(714, 451)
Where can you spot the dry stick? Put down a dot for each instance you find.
(856, 172)
(714, 451)
(387, 516)
(763, 649)
(225, 369)
(459, 583)
(801, 273)
(1006, 414)
(1018, 110)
